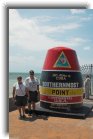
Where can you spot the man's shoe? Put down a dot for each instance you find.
(34, 115)
(29, 114)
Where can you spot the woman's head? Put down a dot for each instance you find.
(19, 79)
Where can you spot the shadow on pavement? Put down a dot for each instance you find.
(33, 118)
(90, 114)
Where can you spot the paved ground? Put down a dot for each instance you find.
(50, 127)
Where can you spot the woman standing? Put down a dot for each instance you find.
(19, 96)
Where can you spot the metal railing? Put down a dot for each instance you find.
(87, 69)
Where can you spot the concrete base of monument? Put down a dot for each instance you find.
(80, 113)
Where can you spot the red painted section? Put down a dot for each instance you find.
(56, 99)
(54, 53)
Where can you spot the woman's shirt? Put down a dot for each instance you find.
(20, 89)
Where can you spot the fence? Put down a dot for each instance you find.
(88, 70)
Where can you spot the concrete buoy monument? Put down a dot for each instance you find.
(61, 83)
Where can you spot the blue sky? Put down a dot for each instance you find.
(33, 31)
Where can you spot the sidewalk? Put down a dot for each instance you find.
(50, 127)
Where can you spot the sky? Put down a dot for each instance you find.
(33, 31)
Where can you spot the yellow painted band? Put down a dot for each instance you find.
(61, 91)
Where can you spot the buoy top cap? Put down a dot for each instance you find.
(61, 58)
(60, 48)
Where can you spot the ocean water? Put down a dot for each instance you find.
(13, 79)
(13, 76)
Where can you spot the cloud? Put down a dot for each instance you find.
(43, 18)
(77, 41)
(85, 19)
(60, 28)
(27, 34)
(87, 48)
(79, 19)
(77, 11)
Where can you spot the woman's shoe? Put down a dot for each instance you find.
(24, 116)
(20, 117)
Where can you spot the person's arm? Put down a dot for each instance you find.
(38, 92)
(26, 87)
(14, 93)
(90, 86)
(37, 88)
(37, 85)
(27, 91)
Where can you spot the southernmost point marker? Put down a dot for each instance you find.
(61, 83)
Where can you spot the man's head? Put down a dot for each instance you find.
(31, 73)
(19, 79)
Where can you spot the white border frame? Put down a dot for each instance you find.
(3, 67)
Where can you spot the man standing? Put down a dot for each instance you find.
(87, 86)
(32, 85)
